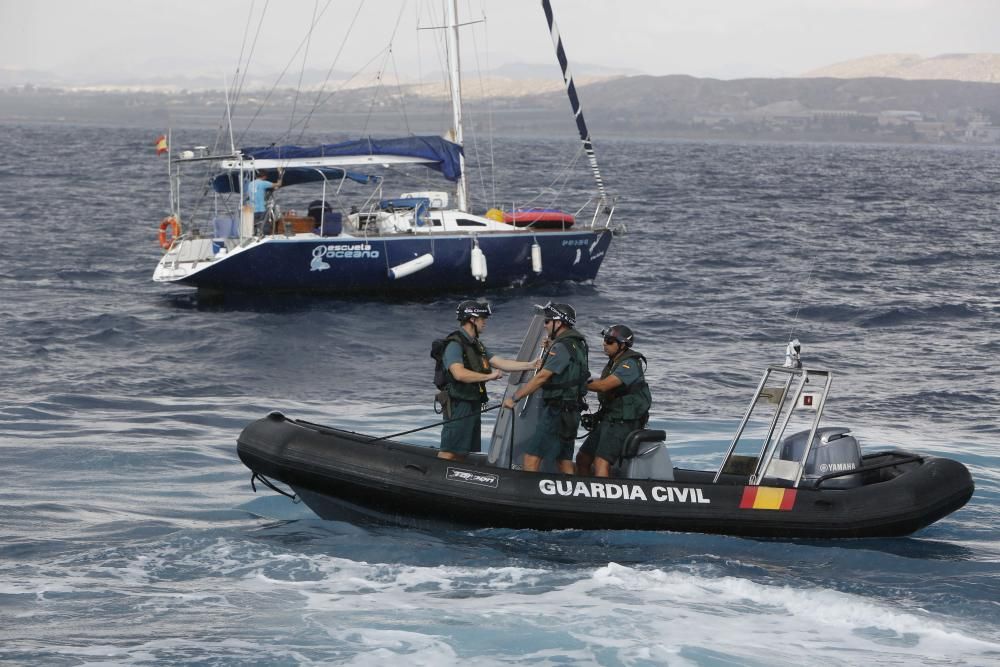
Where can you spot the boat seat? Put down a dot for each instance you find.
(327, 221)
(645, 456)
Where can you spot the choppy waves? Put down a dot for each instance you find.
(131, 535)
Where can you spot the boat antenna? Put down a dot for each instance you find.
(793, 354)
(229, 115)
(174, 207)
(792, 350)
(574, 99)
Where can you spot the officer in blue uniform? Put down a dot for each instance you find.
(625, 401)
(562, 379)
(469, 367)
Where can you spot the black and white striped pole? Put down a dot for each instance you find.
(574, 100)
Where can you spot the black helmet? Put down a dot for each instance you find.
(469, 309)
(621, 334)
(559, 311)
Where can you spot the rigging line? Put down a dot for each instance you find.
(574, 99)
(482, 90)
(562, 177)
(439, 51)
(274, 87)
(378, 87)
(381, 71)
(558, 181)
(234, 92)
(353, 77)
(805, 288)
(243, 47)
(402, 97)
(246, 70)
(253, 49)
(420, 61)
(292, 123)
(489, 115)
(329, 72)
(302, 70)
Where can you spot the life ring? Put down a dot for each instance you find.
(170, 222)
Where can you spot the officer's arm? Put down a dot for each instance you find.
(511, 365)
(463, 374)
(605, 384)
(541, 377)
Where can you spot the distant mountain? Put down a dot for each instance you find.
(683, 98)
(551, 70)
(983, 67)
(509, 80)
(815, 109)
(19, 76)
(191, 78)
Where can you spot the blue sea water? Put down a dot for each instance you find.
(129, 533)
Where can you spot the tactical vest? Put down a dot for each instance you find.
(474, 359)
(571, 384)
(626, 403)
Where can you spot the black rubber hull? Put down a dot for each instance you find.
(343, 475)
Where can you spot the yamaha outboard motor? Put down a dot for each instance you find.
(833, 450)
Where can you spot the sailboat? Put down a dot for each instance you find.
(418, 241)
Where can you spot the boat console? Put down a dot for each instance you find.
(790, 399)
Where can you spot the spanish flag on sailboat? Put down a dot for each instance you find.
(161, 144)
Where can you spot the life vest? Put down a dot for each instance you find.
(474, 359)
(626, 403)
(570, 385)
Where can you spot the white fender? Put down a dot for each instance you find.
(412, 266)
(536, 257)
(478, 264)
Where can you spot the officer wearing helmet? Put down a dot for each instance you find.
(625, 402)
(469, 366)
(562, 379)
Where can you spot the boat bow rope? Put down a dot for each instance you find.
(440, 423)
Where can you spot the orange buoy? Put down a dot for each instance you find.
(171, 223)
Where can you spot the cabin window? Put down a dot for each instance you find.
(435, 222)
(465, 222)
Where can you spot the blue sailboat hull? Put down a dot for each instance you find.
(359, 265)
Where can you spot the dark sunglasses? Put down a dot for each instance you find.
(608, 340)
(548, 320)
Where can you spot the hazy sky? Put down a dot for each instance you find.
(104, 39)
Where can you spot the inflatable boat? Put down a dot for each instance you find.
(783, 476)
(539, 218)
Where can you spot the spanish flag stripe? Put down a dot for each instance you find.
(767, 498)
(788, 500)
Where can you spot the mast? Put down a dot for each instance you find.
(574, 100)
(455, 82)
